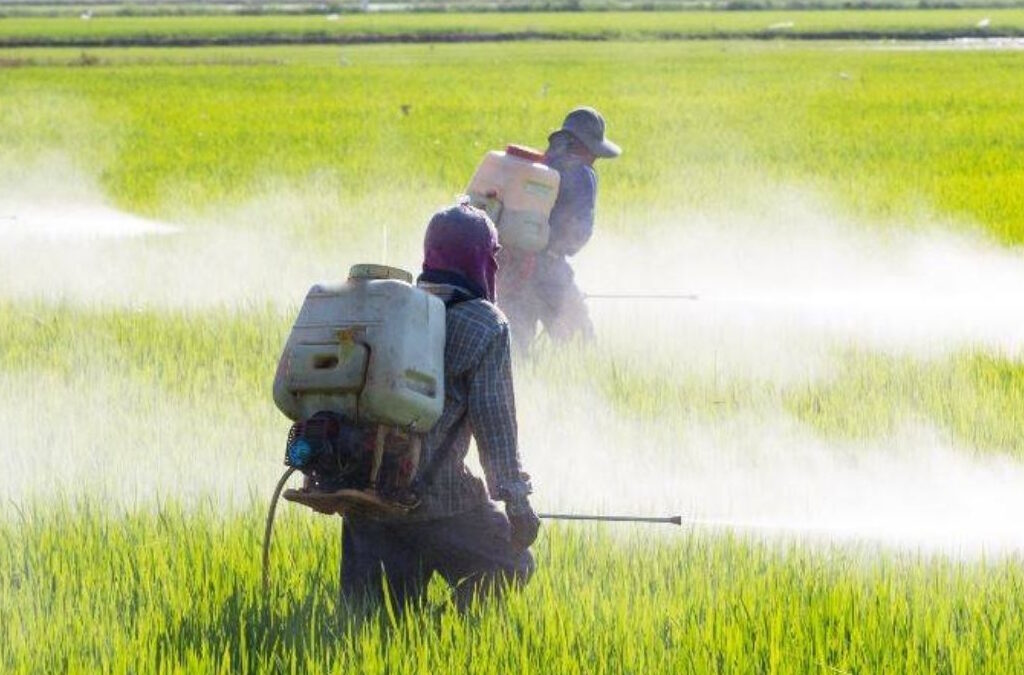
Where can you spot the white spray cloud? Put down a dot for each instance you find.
(73, 222)
(61, 240)
(769, 476)
(780, 291)
(127, 443)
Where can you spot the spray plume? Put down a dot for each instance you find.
(780, 294)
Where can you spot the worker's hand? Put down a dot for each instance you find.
(525, 523)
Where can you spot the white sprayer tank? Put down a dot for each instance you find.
(371, 348)
(518, 192)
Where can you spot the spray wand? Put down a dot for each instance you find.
(671, 520)
(641, 296)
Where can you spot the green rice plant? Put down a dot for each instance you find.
(979, 398)
(182, 355)
(173, 590)
(706, 128)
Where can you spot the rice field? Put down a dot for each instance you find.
(611, 25)
(841, 412)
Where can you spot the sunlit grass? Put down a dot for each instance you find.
(895, 139)
(604, 25)
(179, 590)
(978, 398)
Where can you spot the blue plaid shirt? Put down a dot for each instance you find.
(479, 402)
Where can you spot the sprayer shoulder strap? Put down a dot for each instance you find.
(426, 475)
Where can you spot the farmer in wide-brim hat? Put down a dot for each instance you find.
(541, 288)
(587, 126)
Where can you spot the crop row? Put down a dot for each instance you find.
(896, 138)
(347, 28)
(179, 591)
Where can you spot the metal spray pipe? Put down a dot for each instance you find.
(641, 296)
(671, 520)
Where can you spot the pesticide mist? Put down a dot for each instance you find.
(780, 290)
(782, 295)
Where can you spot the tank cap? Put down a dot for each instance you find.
(524, 152)
(371, 271)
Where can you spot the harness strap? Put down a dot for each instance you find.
(425, 478)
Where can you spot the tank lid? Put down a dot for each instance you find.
(524, 152)
(371, 271)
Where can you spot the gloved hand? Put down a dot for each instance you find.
(525, 523)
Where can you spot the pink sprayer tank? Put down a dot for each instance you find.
(518, 192)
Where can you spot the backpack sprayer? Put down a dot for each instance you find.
(518, 191)
(362, 377)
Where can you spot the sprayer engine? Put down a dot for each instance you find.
(346, 465)
(331, 452)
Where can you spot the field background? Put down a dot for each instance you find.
(138, 432)
(53, 8)
(435, 27)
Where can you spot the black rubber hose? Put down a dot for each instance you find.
(270, 527)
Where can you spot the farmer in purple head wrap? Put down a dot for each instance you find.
(457, 531)
(460, 250)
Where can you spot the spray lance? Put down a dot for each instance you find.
(641, 296)
(670, 520)
(268, 531)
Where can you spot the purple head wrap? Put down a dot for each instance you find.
(462, 240)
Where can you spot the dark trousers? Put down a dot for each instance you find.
(470, 550)
(541, 289)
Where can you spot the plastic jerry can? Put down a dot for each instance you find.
(371, 349)
(518, 192)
